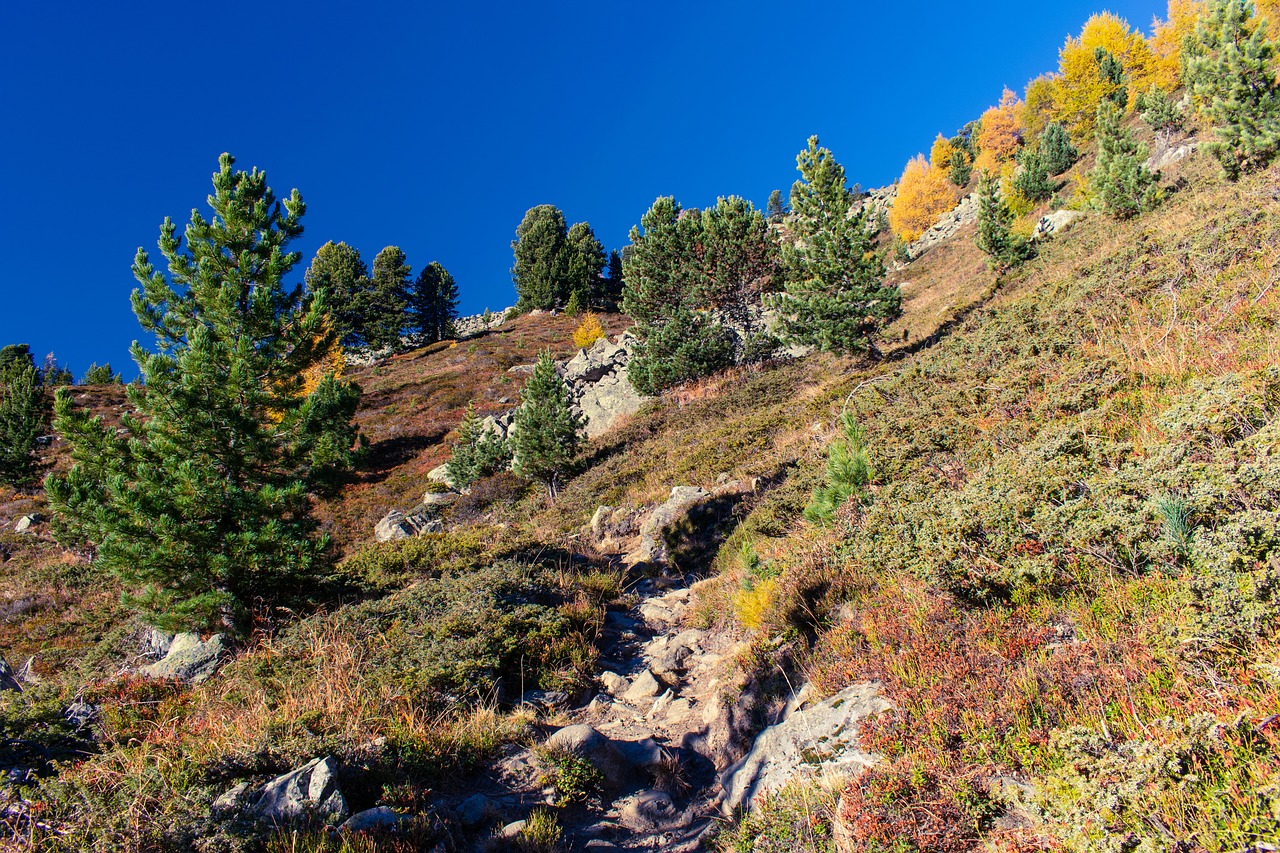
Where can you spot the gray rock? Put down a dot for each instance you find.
(513, 829)
(311, 789)
(440, 474)
(8, 681)
(439, 499)
(156, 643)
(819, 738)
(24, 524)
(474, 810)
(1052, 223)
(1167, 153)
(614, 684)
(381, 817)
(597, 750)
(80, 714)
(644, 687)
(650, 811)
(646, 752)
(547, 700)
(232, 800)
(405, 525)
(188, 659)
(653, 545)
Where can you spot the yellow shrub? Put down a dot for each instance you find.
(1080, 88)
(924, 194)
(940, 154)
(1167, 37)
(753, 605)
(588, 332)
(1000, 133)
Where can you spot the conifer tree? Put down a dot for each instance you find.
(384, 306)
(540, 259)
(22, 416)
(1056, 151)
(1120, 176)
(477, 453)
(613, 281)
(339, 270)
(995, 239)
(1159, 110)
(546, 432)
(663, 273)
(201, 501)
(1033, 179)
(835, 298)
(776, 209)
(584, 270)
(738, 262)
(1230, 68)
(433, 304)
(100, 375)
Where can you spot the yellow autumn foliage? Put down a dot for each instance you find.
(589, 331)
(940, 154)
(1038, 106)
(1080, 88)
(999, 133)
(1269, 10)
(1167, 37)
(924, 194)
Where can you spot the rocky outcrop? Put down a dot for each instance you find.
(311, 790)
(598, 383)
(1166, 152)
(405, 525)
(947, 226)
(652, 547)
(597, 750)
(1052, 223)
(478, 324)
(817, 739)
(187, 658)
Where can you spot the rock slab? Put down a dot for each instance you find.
(188, 659)
(312, 789)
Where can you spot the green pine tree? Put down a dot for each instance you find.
(613, 281)
(1056, 150)
(1120, 176)
(433, 304)
(384, 307)
(776, 209)
(1159, 110)
(849, 472)
(201, 500)
(477, 453)
(1111, 70)
(547, 434)
(339, 271)
(1003, 248)
(1033, 179)
(1229, 66)
(739, 261)
(100, 375)
(835, 298)
(540, 258)
(585, 270)
(23, 416)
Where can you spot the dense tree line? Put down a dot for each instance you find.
(383, 308)
(561, 266)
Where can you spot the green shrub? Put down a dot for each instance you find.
(848, 472)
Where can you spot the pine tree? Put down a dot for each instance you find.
(1159, 110)
(995, 239)
(776, 209)
(835, 298)
(546, 432)
(22, 416)
(100, 375)
(663, 273)
(433, 304)
(1033, 179)
(1111, 71)
(339, 271)
(961, 170)
(1230, 68)
(477, 453)
(540, 259)
(384, 307)
(739, 261)
(54, 375)
(1056, 150)
(1120, 176)
(613, 281)
(201, 501)
(584, 276)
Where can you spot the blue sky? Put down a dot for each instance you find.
(434, 126)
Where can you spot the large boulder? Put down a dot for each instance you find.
(188, 659)
(652, 548)
(820, 738)
(597, 750)
(1052, 223)
(598, 384)
(405, 525)
(311, 790)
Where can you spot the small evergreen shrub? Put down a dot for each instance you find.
(848, 473)
(478, 452)
(1120, 177)
(1056, 150)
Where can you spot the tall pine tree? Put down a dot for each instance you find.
(384, 306)
(995, 239)
(585, 278)
(835, 298)
(1120, 176)
(546, 432)
(22, 415)
(433, 304)
(201, 500)
(339, 270)
(540, 259)
(1229, 65)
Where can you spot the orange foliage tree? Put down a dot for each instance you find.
(999, 133)
(940, 154)
(924, 194)
(1080, 87)
(1167, 37)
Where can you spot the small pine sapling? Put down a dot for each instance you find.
(849, 472)
(1120, 176)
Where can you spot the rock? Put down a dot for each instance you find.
(232, 800)
(80, 714)
(660, 705)
(644, 687)
(440, 474)
(650, 811)
(679, 710)
(545, 700)
(597, 750)
(947, 225)
(474, 810)
(381, 817)
(513, 829)
(672, 659)
(653, 544)
(188, 659)
(8, 681)
(400, 525)
(311, 789)
(614, 684)
(821, 737)
(156, 643)
(645, 752)
(439, 499)
(600, 844)
(1052, 223)
(24, 524)
(1167, 153)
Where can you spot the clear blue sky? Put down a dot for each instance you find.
(434, 126)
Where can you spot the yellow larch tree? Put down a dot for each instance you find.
(1080, 88)
(924, 194)
(940, 154)
(1038, 106)
(999, 133)
(1167, 37)
(1269, 10)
